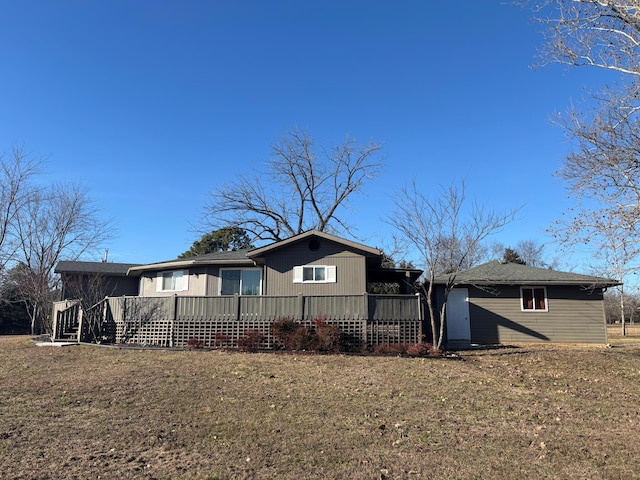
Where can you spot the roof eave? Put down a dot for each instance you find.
(358, 246)
(186, 264)
(605, 283)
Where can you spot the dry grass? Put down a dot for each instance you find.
(525, 412)
(614, 333)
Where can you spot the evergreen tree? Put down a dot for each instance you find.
(512, 256)
(222, 240)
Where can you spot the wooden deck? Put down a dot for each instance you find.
(220, 321)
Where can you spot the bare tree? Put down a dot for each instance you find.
(17, 170)
(531, 252)
(603, 166)
(603, 170)
(447, 234)
(56, 222)
(595, 33)
(612, 302)
(300, 190)
(618, 254)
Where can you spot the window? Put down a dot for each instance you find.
(173, 281)
(240, 281)
(534, 299)
(314, 274)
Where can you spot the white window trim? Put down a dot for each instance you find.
(534, 310)
(329, 277)
(160, 282)
(237, 268)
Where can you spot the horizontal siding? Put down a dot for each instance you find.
(574, 316)
(197, 284)
(277, 275)
(350, 273)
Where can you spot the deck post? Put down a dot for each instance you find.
(54, 318)
(80, 318)
(300, 308)
(173, 321)
(236, 300)
(366, 320)
(365, 297)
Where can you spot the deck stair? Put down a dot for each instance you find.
(67, 317)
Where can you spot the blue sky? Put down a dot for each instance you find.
(153, 104)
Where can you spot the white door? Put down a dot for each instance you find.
(458, 328)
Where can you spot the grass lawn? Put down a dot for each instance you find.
(516, 412)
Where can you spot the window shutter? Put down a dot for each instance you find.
(331, 274)
(297, 274)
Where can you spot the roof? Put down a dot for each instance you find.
(246, 257)
(236, 257)
(499, 273)
(369, 251)
(105, 268)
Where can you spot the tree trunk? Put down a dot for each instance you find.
(624, 328)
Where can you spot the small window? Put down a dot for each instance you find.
(534, 299)
(173, 281)
(314, 274)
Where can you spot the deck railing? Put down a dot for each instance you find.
(222, 320)
(67, 315)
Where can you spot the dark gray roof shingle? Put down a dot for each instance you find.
(238, 257)
(105, 268)
(499, 273)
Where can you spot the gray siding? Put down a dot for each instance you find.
(213, 281)
(78, 285)
(198, 283)
(575, 316)
(350, 270)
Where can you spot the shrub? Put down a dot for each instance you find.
(390, 348)
(284, 329)
(194, 342)
(302, 338)
(221, 339)
(328, 338)
(250, 341)
(436, 352)
(293, 335)
(419, 349)
(350, 342)
(319, 337)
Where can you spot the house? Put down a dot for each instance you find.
(311, 263)
(313, 274)
(501, 302)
